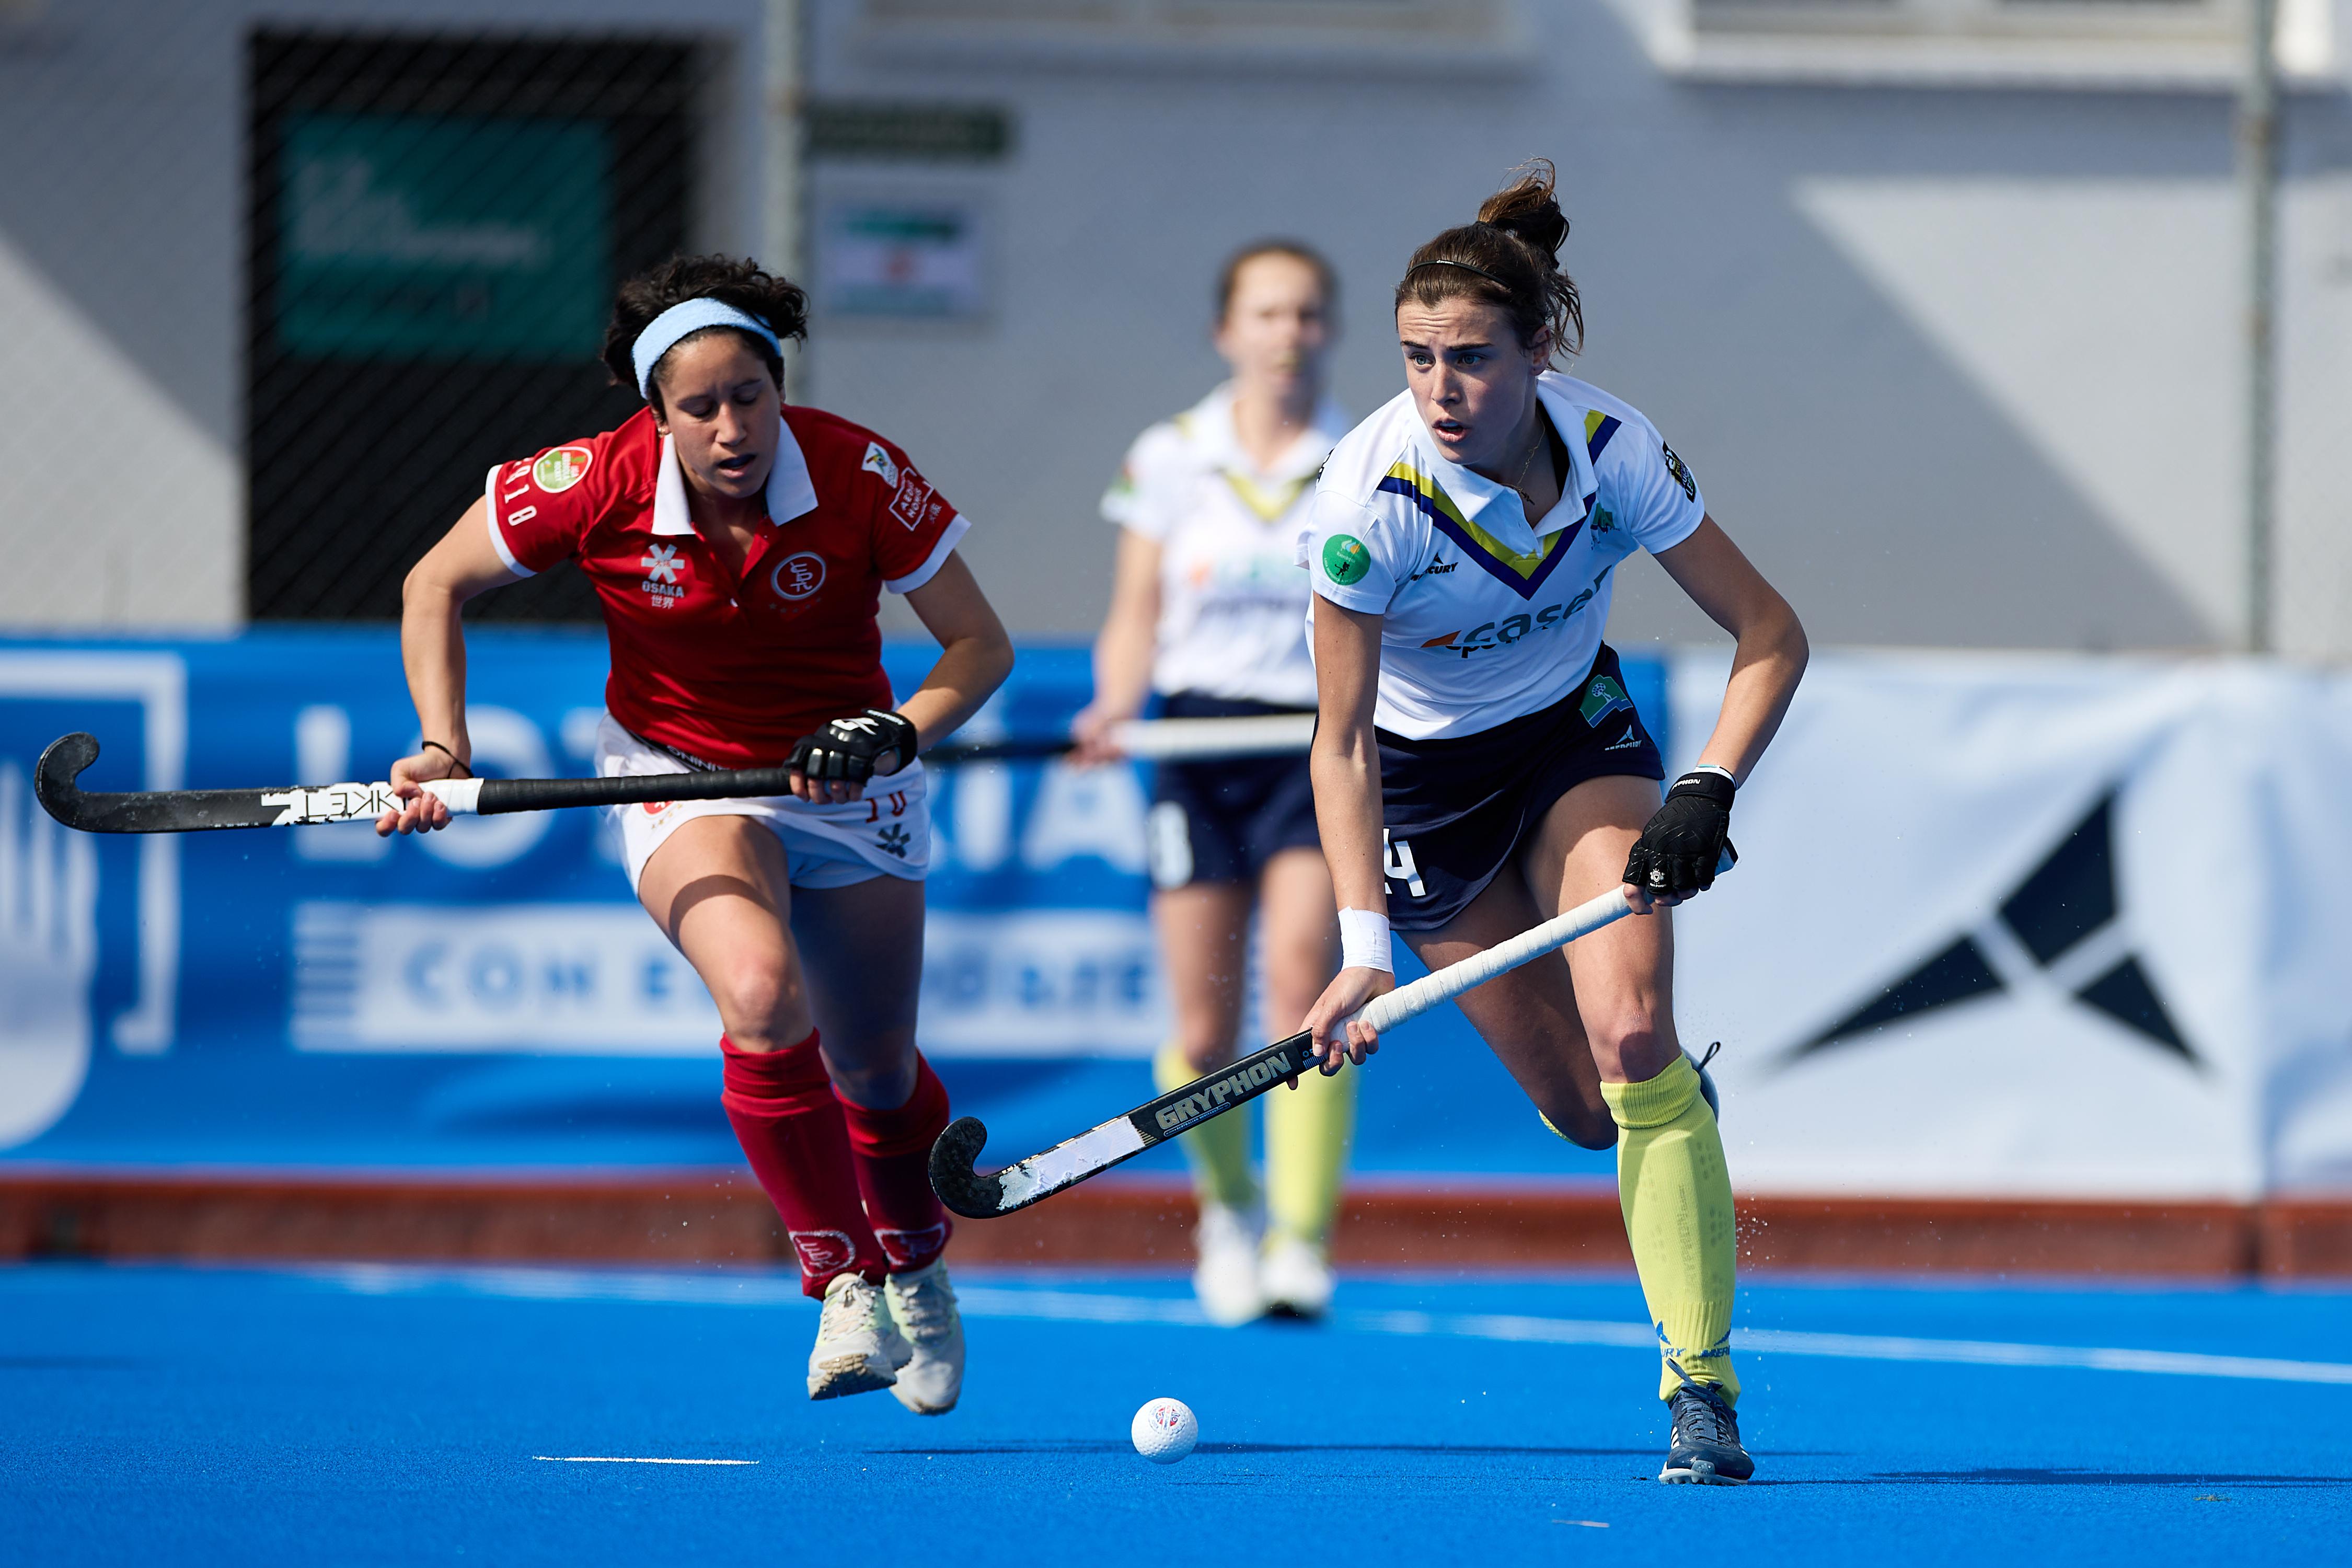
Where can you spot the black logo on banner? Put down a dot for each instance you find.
(2055, 911)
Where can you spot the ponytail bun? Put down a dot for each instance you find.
(1528, 210)
(1508, 259)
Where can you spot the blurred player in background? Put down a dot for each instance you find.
(739, 547)
(1479, 767)
(1206, 612)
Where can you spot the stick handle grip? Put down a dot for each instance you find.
(1383, 1012)
(1411, 1001)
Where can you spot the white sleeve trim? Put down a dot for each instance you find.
(490, 514)
(932, 562)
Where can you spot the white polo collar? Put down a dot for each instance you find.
(1498, 508)
(791, 492)
(1209, 426)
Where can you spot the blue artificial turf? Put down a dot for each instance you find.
(158, 1414)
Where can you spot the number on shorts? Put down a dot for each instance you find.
(1397, 865)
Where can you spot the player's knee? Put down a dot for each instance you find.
(878, 1074)
(1636, 1040)
(763, 1004)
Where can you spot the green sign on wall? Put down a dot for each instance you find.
(410, 236)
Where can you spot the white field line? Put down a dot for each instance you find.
(1090, 1306)
(606, 1460)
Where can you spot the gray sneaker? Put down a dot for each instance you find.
(923, 1305)
(1706, 1448)
(858, 1348)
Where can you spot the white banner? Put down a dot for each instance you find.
(2032, 926)
(589, 979)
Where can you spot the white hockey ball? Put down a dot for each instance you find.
(1164, 1431)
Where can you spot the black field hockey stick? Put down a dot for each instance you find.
(965, 1190)
(296, 805)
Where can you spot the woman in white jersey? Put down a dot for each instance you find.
(1479, 767)
(1205, 612)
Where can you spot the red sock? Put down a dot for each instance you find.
(781, 1106)
(893, 1156)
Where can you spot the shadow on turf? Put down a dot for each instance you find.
(2053, 1478)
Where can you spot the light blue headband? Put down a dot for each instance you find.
(662, 333)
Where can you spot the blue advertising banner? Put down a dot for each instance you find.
(491, 997)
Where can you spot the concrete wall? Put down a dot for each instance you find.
(1957, 367)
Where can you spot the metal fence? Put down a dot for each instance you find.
(435, 227)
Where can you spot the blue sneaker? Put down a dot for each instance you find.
(1706, 1448)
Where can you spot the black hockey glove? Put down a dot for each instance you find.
(1686, 839)
(851, 750)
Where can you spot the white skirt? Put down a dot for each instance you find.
(888, 833)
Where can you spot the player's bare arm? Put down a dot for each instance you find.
(1123, 650)
(975, 652)
(433, 651)
(1767, 660)
(1347, 767)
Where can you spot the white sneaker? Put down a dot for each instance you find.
(1296, 1276)
(859, 1349)
(1226, 1276)
(923, 1304)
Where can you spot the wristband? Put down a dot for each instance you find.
(1364, 941)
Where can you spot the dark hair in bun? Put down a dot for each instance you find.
(1509, 258)
(778, 301)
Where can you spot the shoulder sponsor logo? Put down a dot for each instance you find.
(1345, 559)
(561, 467)
(914, 496)
(877, 462)
(1602, 522)
(1682, 474)
(1435, 569)
(798, 576)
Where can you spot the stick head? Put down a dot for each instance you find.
(960, 1187)
(53, 777)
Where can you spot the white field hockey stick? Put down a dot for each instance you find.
(976, 1197)
(295, 805)
(1158, 740)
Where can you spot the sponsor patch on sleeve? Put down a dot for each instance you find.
(561, 467)
(1345, 559)
(912, 503)
(1682, 474)
(877, 462)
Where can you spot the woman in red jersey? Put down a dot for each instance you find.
(739, 547)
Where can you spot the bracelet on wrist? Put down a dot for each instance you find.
(1364, 941)
(438, 746)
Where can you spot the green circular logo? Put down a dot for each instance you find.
(1345, 559)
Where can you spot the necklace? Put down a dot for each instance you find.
(1542, 443)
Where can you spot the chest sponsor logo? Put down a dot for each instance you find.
(798, 576)
(661, 567)
(562, 467)
(1492, 635)
(877, 462)
(914, 502)
(1345, 559)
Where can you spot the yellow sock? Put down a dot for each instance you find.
(1307, 1135)
(1676, 1194)
(1218, 1148)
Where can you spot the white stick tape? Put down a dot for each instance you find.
(1384, 1013)
(1167, 739)
(460, 795)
